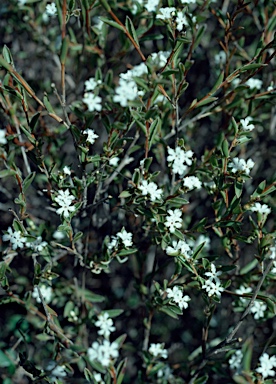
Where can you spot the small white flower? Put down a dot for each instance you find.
(240, 165)
(266, 365)
(58, 235)
(173, 220)
(103, 353)
(213, 275)
(65, 210)
(213, 288)
(46, 292)
(236, 360)
(258, 309)
(180, 20)
(260, 208)
(67, 170)
(126, 91)
(114, 161)
(91, 84)
(246, 124)
(158, 350)
(93, 102)
(64, 199)
(254, 83)
(150, 188)
(91, 135)
(160, 59)
(105, 323)
(178, 158)
(220, 58)
(151, 5)
(3, 139)
(166, 13)
(192, 182)
(38, 245)
(241, 291)
(57, 371)
(179, 247)
(188, 1)
(15, 238)
(126, 237)
(51, 9)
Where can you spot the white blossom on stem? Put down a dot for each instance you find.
(151, 189)
(158, 350)
(15, 238)
(267, 365)
(246, 124)
(260, 208)
(240, 165)
(91, 135)
(173, 220)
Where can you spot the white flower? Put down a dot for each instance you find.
(188, 1)
(3, 139)
(98, 378)
(51, 9)
(58, 235)
(166, 13)
(240, 165)
(241, 291)
(220, 58)
(158, 350)
(104, 353)
(150, 188)
(114, 161)
(15, 238)
(176, 295)
(236, 360)
(67, 170)
(91, 84)
(151, 5)
(105, 323)
(266, 365)
(125, 92)
(160, 58)
(173, 220)
(22, 2)
(180, 20)
(179, 247)
(192, 182)
(91, 135)
(246, 124)
(258, 309)
(57, 371)
(38, 245)
(213, 275)
(46, 292)
(93, 102)
(254, 83)
(64, 199)
(260, 208)
(178, 157)
(213, 288)
(126, 237)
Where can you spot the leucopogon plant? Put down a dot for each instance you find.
(137, 154)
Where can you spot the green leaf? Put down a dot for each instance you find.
(7, 55)
(121, 369)
(114, 312)
(176, 202)
(7, 172)
(198, 251)
(201, 380)
(248, 67)
(259, 190)
(154, 128)
(28, 181)
(34, 121)
(217, 83)
(48, 104)
(206, 101)
(199, 35)
(64, 50)
(77, 236)
(168, 312)
(88, 375)
(125, 194)
(112, 23)
(249, 267)
(238, 188)
(126, 252)
(131, 30)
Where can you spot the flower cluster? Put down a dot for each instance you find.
(64, 200)
(104, 353)
(91, 135)
(51, 9)
(258, 308)
(267, 365)
(92, 101)
(240, 165)
(179, 247)
(246, 124)
(168, 14)
(236, 360)
(254, 83)
(15, 238)
(46, 292)
(158, 350)
(105, 323)
(178, 158)
(263, 209)
(38, 245)
(151, 189)
(176, 295)
(123, 236)
(213, 284)
(192, 182)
